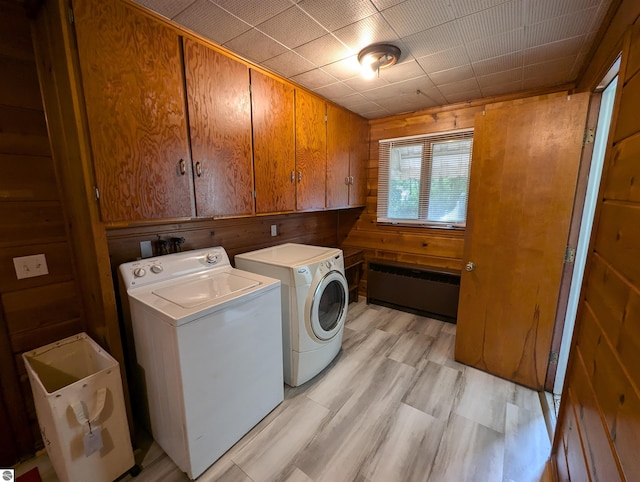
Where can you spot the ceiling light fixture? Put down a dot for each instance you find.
(376, 57)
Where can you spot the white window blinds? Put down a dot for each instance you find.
(425, 179)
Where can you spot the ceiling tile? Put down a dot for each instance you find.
(445, 60)
(541, 10)
(254, 12)
(557, 67)
(436, 39)
(371, 30)
(166, 8)
(499, 64)
(458, 86)
(344, 69)
(324, 50)
(554, 50)
(463, 96)
(487, 23)
(559, 28)
(404, 71)
(468, 7)
(407, 103)
(496, 46)
(400, 88)
(451, 75)
(499, 78)
(211, 21)
(499, 89)
(256, 46)
(374, 114)
(354, 100)
(334, 15)
(334, 91)
(281, 28)
(384, 4)
(289, 64)
(314, 79)
(361, 84)
(414, 16)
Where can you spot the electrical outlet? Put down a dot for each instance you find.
(30, 266)
(146, 250)
(274, 230)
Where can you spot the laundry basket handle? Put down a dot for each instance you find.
(78, 409)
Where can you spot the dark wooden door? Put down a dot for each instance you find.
(311, 151)
(523, 179)
(133, 85)
(273, 144)
(338, 150)
(220, 128)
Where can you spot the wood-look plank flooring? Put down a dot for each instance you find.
(393, 406)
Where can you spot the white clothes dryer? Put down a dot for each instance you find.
(314, 303)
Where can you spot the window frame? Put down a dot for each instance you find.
(426, 141)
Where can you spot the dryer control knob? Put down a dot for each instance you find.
(157, 268)
(211, 258)
(139, 272)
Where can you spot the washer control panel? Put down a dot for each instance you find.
(161, 268)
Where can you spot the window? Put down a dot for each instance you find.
(425, 179)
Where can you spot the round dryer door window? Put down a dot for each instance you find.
(328, 308)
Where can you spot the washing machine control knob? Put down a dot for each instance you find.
(211, 258)
(157, 268)
(139, 272)
(329, 264)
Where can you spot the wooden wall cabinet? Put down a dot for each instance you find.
(219, 105)
(132, 77)
(273, 144)
(347, 154)
(311, 151)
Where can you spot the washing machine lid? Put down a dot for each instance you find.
(290, 254)
(192, 293)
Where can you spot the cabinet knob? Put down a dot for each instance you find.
(182, 167)
(470, 266)
(347, 180)
(351, 180)
(293, 176)
(198, 169)
(299, 176)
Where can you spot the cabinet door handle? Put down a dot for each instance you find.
(293, 176)
(299, 176)
(198, 169)
(182, 167)
(347, 180)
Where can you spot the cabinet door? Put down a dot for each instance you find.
(220, 127)
(273, 144)
(133, 85)
(311, 151)
(358, 160)
(338, 150)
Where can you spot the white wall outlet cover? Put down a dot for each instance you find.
(30, 266)
(274, 230)
(146, 250)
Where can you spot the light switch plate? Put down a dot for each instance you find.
(274, 230)
(146, 250)
(30, 266)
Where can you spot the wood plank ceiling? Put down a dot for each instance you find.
(452, 50)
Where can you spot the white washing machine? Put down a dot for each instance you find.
(314, 303)
(208, 339)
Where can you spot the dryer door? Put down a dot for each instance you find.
(329, 305)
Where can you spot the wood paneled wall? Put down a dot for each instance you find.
(599, 423)
(33, 311)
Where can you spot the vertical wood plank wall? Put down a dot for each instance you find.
(40, 310)
(599, 423)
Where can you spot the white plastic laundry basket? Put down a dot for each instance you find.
(77, 392)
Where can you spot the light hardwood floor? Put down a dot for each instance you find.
(393, 406)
